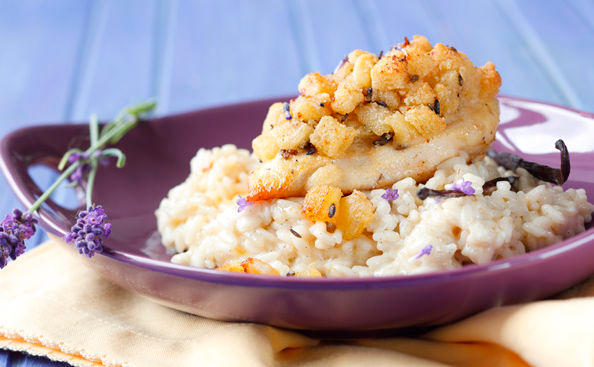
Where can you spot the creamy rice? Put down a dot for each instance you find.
(199, 220)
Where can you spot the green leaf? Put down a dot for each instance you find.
(123, 130)
(141, 108)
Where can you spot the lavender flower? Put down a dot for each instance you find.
(463, 187)
(390, 195)
(14, 230)
(425, 251)
(80, 171)
(90, 230)
(242, 203)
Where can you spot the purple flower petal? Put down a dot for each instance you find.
(390, 195)
(89, 231)
(79, 173)
(74, 157)
(463, 187)
(425, 251)
(242, 203)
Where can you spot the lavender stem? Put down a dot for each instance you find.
(53, 187)
(94, 134)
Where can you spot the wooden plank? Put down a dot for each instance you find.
(482, 31)
(393, 21)
(570, 48)
(226, 51)
(108, 73)
(537, 46)
(585, 10)
(36, 72)
(26, 360)
(40, 52)
(330, 29)
(116, 66)
(5, 358)
(163, 43)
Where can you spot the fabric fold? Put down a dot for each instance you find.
(54, 306)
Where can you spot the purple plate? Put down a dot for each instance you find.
(159, 152)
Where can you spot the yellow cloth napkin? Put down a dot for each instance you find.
(52, 305)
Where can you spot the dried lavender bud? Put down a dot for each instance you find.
(291, 274)
(380, 54)
(544, 173)
(310, 148)
(287, 110)
(463, 188)
(425, 193)
(321, 104)
(460, 80)
(381, 103)
(413, 78)
(384, 139)
(435, 106)
(286, 153)
(368, 92)
(295, 233)
(331, 210)
(89, 231)
(344, 117)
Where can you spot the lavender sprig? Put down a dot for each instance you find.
(14, 230)
(92, 227)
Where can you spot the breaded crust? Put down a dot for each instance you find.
(377, 120)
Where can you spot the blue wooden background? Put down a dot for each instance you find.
(61, 60)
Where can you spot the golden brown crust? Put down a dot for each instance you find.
(356, 212)
(371, 109)
(322, 203)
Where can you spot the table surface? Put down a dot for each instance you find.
(65, 59)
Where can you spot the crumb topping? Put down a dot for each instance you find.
(404, 96)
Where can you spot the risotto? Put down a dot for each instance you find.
(376, 169)
(208, 224)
